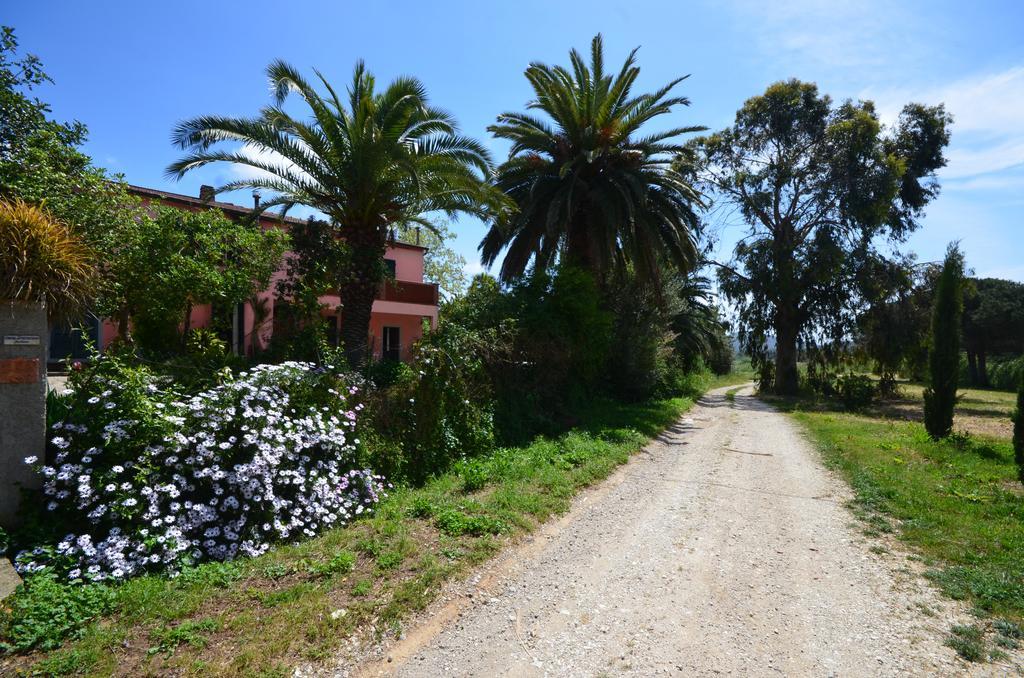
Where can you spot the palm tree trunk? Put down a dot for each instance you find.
(579, 250)
(359, 291)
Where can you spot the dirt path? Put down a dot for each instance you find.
(723, 548)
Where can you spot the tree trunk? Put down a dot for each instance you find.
(186, 326)
(787, 377)
(972, 367)
(123, 321)
(355, 321)
(359, 290)
(579, 249)
(982, 369)
(787, 325)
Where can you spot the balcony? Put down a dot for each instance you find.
(408, 292)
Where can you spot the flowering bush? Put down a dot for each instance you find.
(153, 480)
(431, 413)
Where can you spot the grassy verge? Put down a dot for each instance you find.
(982, 412)
(955, 503)
(262, 616)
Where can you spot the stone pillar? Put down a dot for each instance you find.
(23, 352)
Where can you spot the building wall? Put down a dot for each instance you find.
(409, 267)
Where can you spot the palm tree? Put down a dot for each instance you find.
(588, 187)
(370, 164)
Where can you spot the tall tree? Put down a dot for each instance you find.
(371, 163)
(816, 185)
(993, 323)
(893, 327)
(944, 353)
(587, 184)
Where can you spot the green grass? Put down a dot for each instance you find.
(299, 602)
(956, 503)
(741, 373)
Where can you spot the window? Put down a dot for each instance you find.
(392, 344)
(390, 267)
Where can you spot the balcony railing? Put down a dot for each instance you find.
(408, 292)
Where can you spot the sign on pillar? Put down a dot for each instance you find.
(22, 401)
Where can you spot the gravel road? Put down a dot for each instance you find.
(724, 548)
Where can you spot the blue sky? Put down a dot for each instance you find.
(131, 70)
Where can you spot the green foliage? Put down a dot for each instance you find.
(856, 391)
(1004, 374)
(376, 161)
(205, 258)
(944, 358)
(894, 325)
(192, 633)
(40, 163)
(993, 323)
(43, 261)
(474, 476)
(836, 181)
(454, 523)
(1018, 433)
(588, 186)
(968, 641)
(546, 344)
(424, 417)
(340, 563)
(42, 612)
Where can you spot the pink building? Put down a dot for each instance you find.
(402, 306)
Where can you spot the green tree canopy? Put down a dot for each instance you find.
(587, 183)
(371, 163)
(173, 260)
(818, 185)
(944, 351)
(993, 323)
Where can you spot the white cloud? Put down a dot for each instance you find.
(854, 34)
(868, 41)
(472, 268)
(987, 132)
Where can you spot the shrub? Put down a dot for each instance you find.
(438, 411)
(149, 480)
(474, 476)
(721, 355)
(1005, 374)
(43, 261)
(856, 391)
(944, 357)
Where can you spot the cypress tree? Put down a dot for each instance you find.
(944, 356)
(1018, 432)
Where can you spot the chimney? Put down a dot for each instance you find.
(256, 200)
(206, 193)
